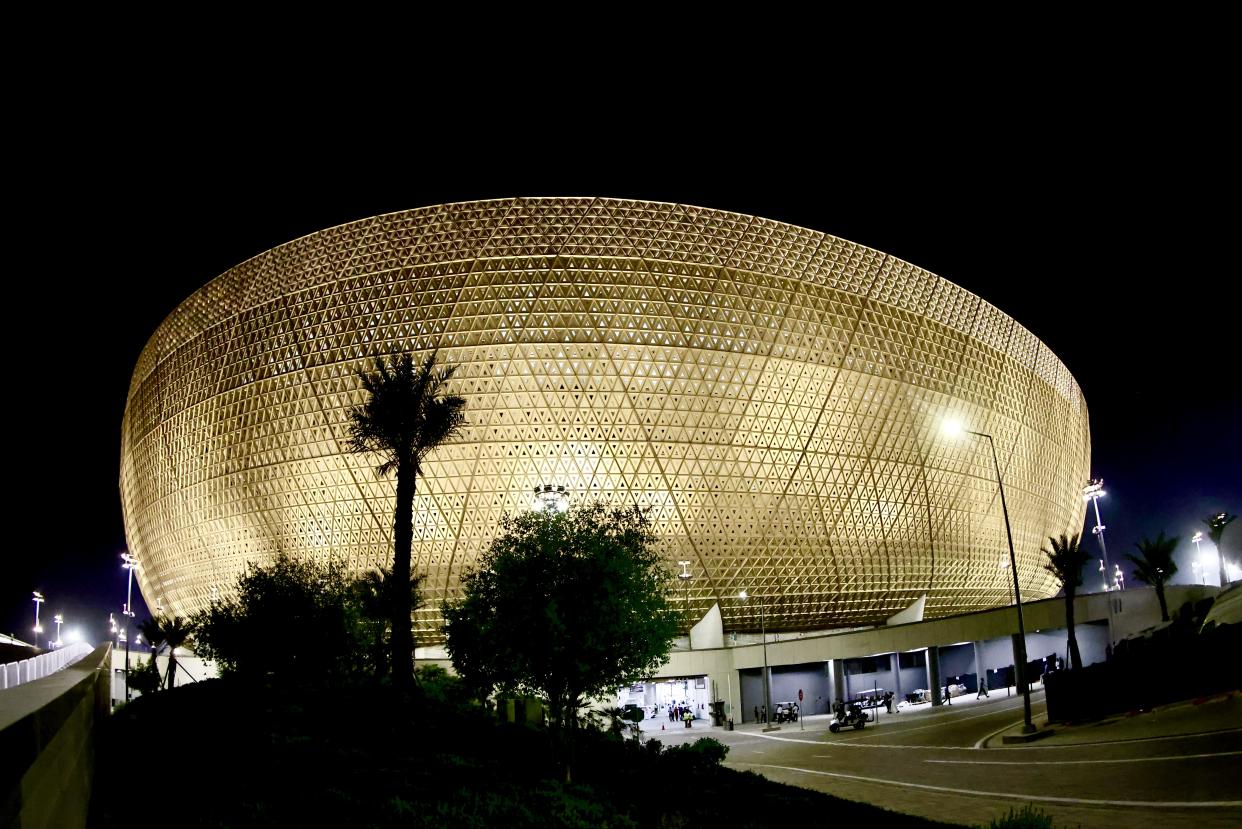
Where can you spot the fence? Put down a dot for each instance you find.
(45, 664)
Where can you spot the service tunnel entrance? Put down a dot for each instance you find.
(664, 701)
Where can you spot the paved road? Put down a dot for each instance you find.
(1179, 766)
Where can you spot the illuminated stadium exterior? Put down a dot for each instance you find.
(773, 394)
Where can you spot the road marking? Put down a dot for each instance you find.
(1077, 801)
(936, 725)
(1083, 762)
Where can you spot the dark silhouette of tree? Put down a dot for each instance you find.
(407, 414)
(568, 606)
(1216, 530)
(1065, 561)
(172, 633)
(374, 594)
(290, 621)
(1156, 566)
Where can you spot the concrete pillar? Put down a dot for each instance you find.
(896, 663)
(839, 691)
(1019, 670)
(981, 670)
(933, 675)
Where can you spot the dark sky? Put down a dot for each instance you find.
(1100, 212)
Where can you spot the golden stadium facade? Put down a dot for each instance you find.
(774, 395)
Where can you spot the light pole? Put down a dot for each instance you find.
(130, 562)
(767, 678)
(1093, 492)
(38, 628)
(1198, 562)
(58, 619)
(953, 428)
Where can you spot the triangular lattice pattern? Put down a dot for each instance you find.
(772, 394)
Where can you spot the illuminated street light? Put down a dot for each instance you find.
(954, 428)
(59, 619)
(1119, 578)
(1093, 492)
(1199, 565)
(767, 676)
(130, 563)
(38, 600)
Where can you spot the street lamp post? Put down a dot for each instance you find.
(58, 619)
(767, 678)
(1019, 645)
(130, 562)
(38, 628)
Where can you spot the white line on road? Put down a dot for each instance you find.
(1082, 762)
(1158, 804)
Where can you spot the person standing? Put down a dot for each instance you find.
(948, 694)
(983, 687)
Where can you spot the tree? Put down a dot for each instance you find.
(173, 633)
(1065, 561)
(568, 606)
(1216, 529)
(373, 592)
(407, 414)
(1156, 566)
(291, 620)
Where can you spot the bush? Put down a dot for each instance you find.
(705, 752)
(1028, 817)
(291, 620)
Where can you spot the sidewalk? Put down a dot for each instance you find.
(1222, 712)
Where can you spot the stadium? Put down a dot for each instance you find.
(773, 395)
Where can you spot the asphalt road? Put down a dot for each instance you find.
(1179, 766)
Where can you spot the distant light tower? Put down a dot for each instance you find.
(1093, 492)
(130, 563)
(1119, 578)
(59, 620)
(1199, 567)
(38, 600)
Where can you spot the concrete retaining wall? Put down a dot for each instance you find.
(47, 745)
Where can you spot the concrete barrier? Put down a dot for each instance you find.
(48, 734)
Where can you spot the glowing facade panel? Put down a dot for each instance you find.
(774, 395)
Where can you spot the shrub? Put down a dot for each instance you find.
(1028, 817)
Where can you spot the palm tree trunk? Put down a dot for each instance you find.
(403, 540)
(1164, 608)
(172, 667)
(1075, 655)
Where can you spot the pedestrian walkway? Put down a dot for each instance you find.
(1219, 713)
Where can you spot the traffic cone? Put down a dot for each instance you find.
(661, 726)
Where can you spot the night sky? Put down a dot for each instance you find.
(1101, 222)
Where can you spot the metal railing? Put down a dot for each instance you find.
(45, 664)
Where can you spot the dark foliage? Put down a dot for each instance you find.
(407, 414)
(567, 606)
(366, 757)
(289, 621)
(1065, 561)
(1156, 566)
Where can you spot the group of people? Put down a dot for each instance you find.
(681, 711)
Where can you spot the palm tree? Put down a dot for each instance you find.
(407, 414)
(1216, 528)
(1065, 561)
(373, 591)
(174, 633)
(1156, 566)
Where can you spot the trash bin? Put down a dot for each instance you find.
(729, 724)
